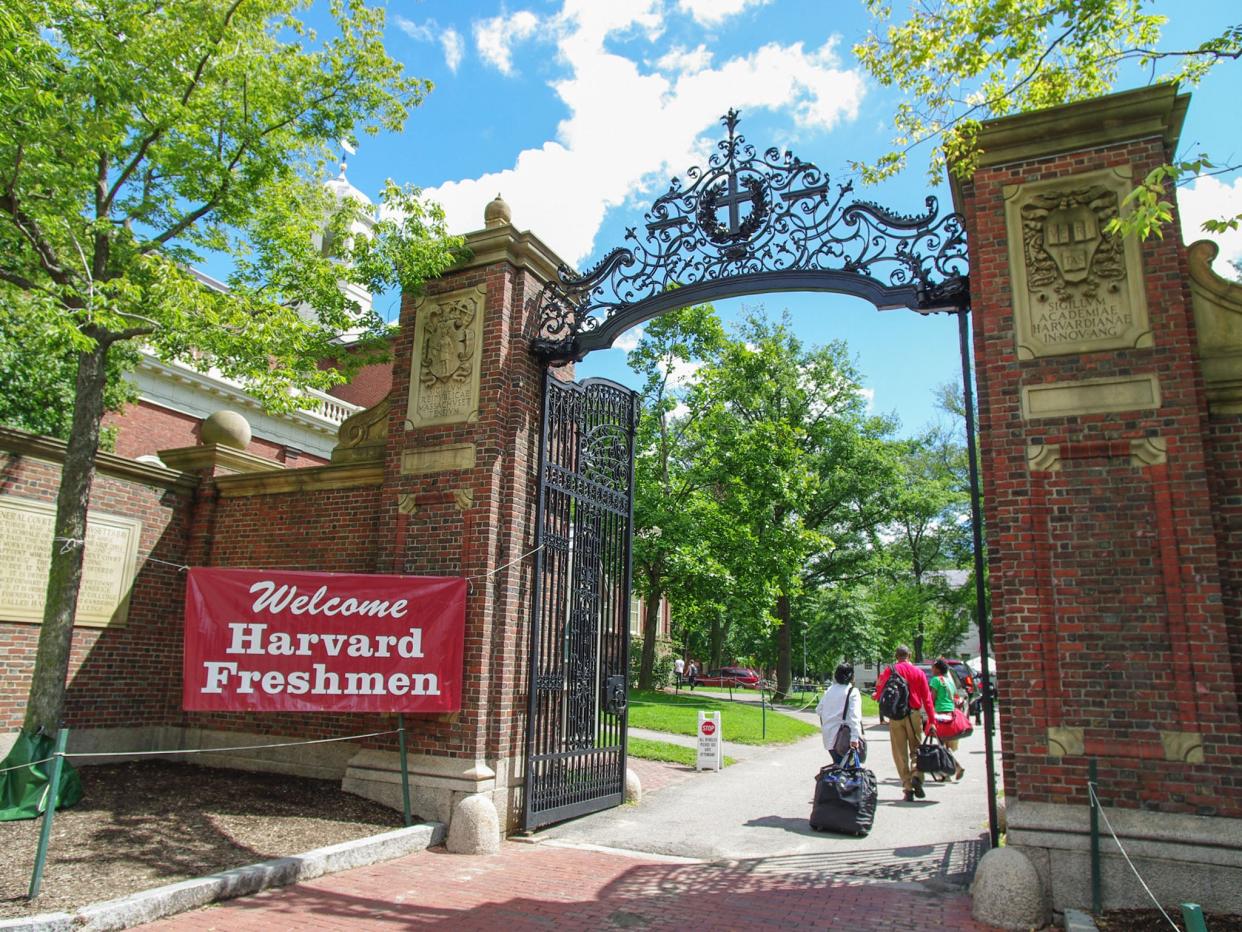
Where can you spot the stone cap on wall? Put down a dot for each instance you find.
(1158, 110)
(1217, 305)
(51, 450)
(505, 243)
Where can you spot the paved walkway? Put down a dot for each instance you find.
(725, 850)
(759, 807)
(545, 887)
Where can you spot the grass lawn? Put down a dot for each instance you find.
(799, 702)
(740, 722)
(662, 750)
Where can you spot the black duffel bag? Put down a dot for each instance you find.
(845, 796)
(935, 758)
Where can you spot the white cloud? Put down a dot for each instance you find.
(868, 396)
(686, 61)
(715, 12)
(562, 189)
(450, 39)
(494, 37)
(423, 33)
(628, 340)
(682, 373)
(454, 48)
(1212, 199)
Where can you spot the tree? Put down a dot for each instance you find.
(673, 515)
(770, 408)
(141, 136)
(960, 62)
(38, 370)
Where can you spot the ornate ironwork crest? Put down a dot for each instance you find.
(749, 223)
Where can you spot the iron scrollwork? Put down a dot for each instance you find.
(745, 217)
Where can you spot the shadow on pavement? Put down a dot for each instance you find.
(832, 890)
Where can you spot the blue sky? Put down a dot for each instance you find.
(579, 113)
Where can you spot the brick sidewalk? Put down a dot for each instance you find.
(656, 775)
(543, 887)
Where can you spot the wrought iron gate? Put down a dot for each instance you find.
(575, 742)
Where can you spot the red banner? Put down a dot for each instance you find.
(281, 641)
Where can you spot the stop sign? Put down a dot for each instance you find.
(709, 727)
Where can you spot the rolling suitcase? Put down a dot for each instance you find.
(845, 797)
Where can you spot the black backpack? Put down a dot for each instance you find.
(895, 700)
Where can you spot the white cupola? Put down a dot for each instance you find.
(342, 189)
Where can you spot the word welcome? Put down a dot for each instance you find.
(277, 599)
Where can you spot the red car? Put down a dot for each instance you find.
(737, 677)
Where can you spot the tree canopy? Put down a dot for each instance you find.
(143, 136)
(959, 62)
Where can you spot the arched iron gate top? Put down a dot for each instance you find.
(748, 224)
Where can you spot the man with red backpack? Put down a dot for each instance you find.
(903, 695)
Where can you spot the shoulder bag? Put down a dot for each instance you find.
(841, 743)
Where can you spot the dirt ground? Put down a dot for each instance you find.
(1150, 920)
(142, 825)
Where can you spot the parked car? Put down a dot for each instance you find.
(737, 677)
(965, 675)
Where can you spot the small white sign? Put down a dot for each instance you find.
(711, 755)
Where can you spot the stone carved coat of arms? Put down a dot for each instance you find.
(1065, 245)
(448, 344)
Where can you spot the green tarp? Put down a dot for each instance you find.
(24, 791)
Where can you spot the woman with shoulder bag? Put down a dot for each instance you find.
(840, 716)
(944, 696)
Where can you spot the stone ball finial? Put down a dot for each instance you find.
(497, 213)
(226, 428)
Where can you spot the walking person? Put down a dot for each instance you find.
(945, 700)
(904, 696)
(692, 672)
(679, 669)
(839, 708)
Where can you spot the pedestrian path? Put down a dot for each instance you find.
(731, 748)
(529, 887)
(760, 807)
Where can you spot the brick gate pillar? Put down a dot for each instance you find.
(459, 439)
(1101, 480)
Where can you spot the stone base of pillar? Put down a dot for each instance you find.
(1182, 858)
(437, 784)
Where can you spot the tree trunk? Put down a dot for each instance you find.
(651, 624)
(784, 654)
(919, 638)
(716, 645)
(48, 683)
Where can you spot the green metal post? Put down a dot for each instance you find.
(405, 771)
(1097, 896)
(45, 834)
(1192, 915)
(763, 713)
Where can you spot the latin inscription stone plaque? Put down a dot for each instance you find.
(1076, 289)
(444, 376)
(109, 563)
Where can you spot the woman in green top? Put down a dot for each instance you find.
(944, 695)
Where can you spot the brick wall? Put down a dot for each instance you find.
(497, 527)
(330, 531)
(1105, 574)
(1225, 445)
(120, 675)
(144, 429)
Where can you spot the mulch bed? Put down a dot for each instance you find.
(1150, 920)
(142, 825)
